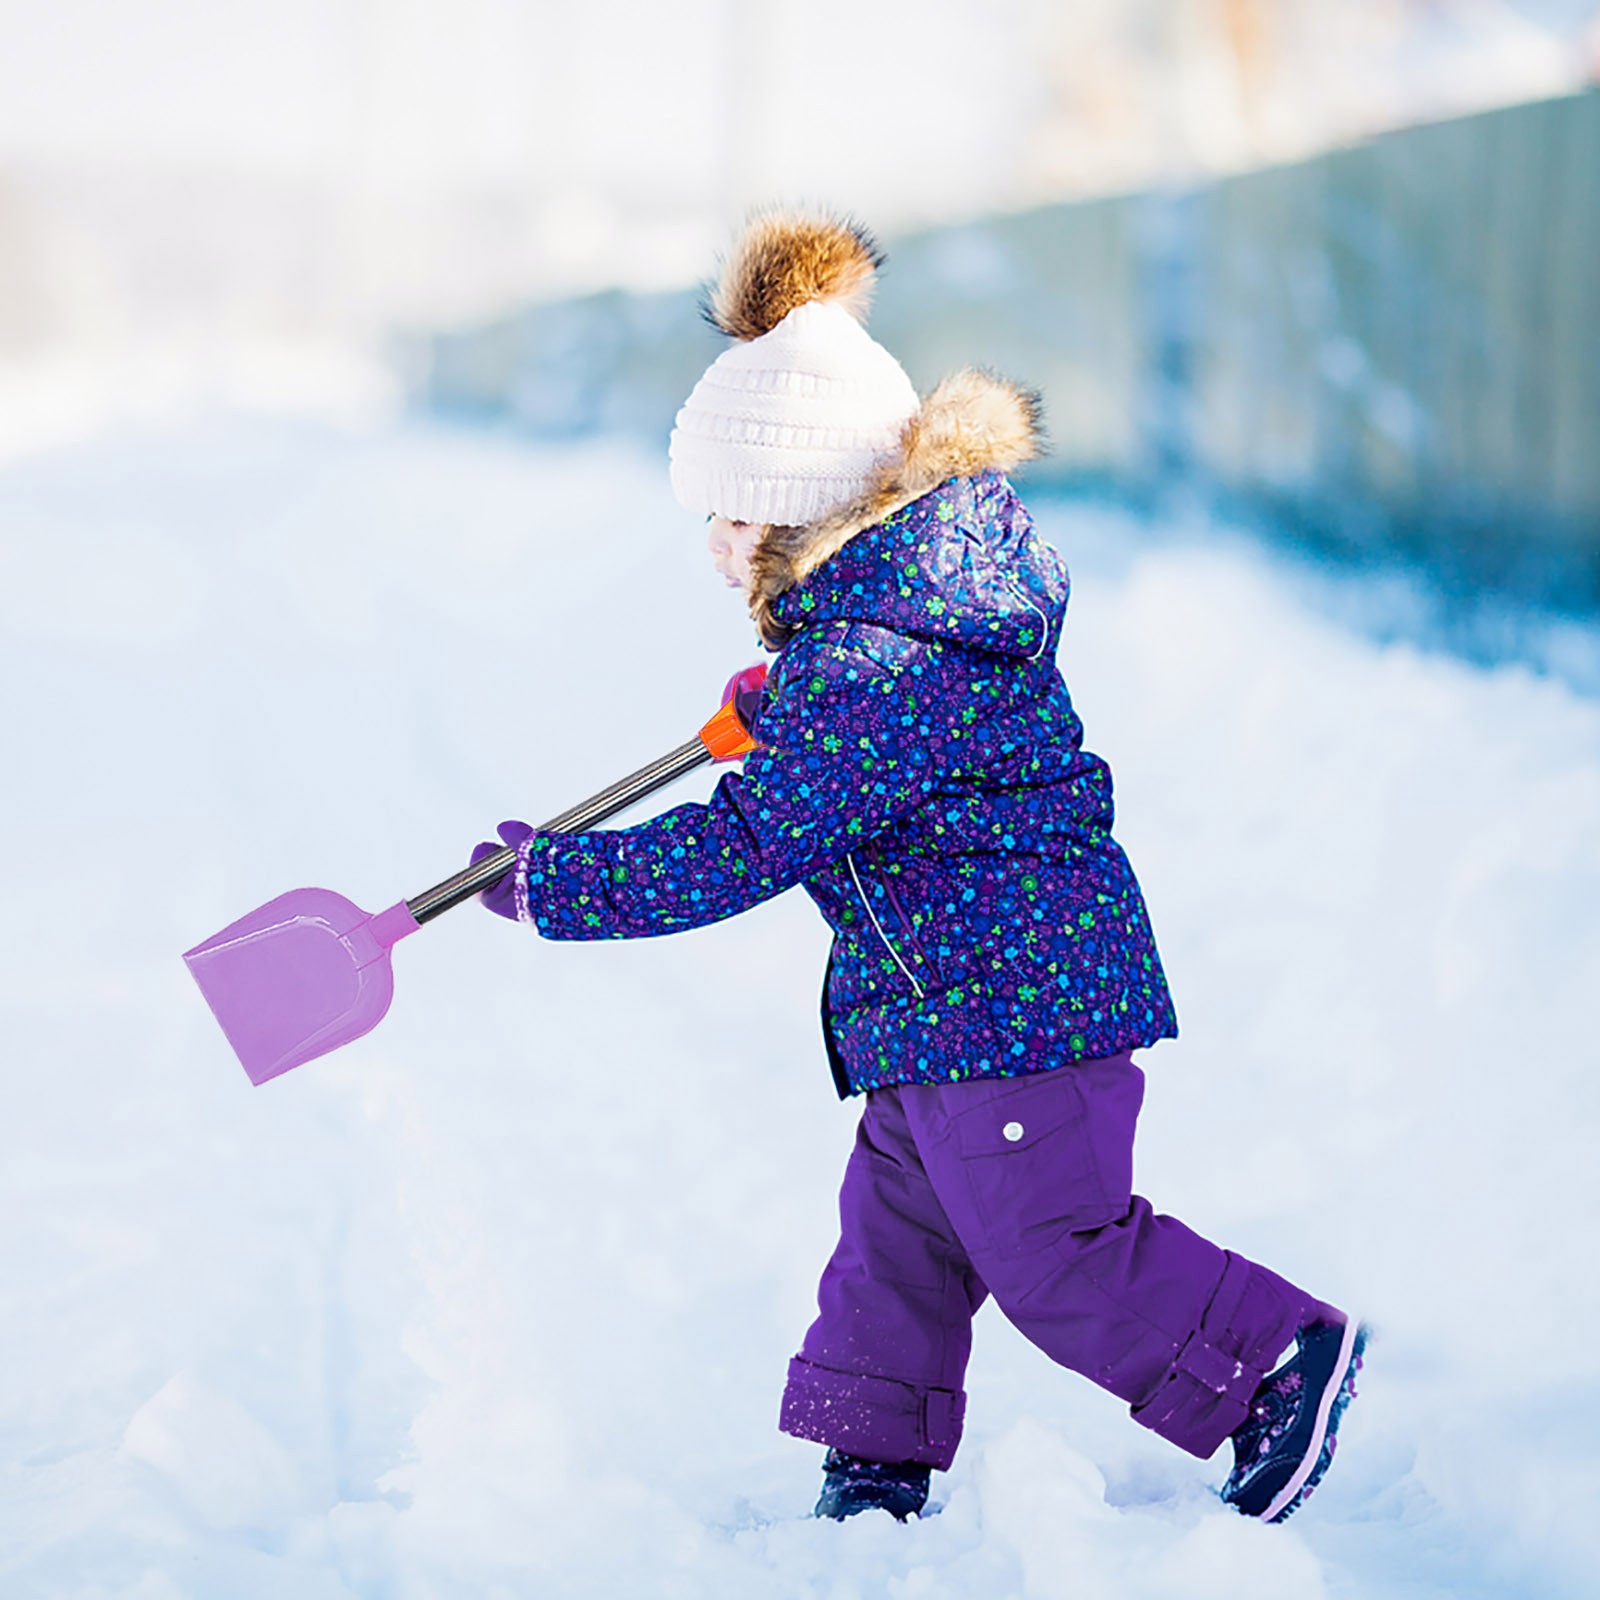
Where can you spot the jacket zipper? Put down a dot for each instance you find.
(906, 922)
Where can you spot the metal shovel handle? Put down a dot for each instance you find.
(724, 738)
(608, 802)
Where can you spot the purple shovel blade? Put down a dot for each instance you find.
(299, 976)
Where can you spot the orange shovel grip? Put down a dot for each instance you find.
(725, 736)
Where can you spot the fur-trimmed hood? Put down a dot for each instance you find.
(973, 422)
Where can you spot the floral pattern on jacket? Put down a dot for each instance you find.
(921, 774)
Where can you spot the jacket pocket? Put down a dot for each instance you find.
(891, 922)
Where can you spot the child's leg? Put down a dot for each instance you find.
(880, 1372)
(1036, 1176)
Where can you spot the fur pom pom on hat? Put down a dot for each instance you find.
(788, 425)
(784, 262)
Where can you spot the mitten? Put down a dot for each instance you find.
(744, 689)
(501, 895)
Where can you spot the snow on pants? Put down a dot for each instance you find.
(1022, 1188)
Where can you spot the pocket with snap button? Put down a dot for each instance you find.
(1029, 1165)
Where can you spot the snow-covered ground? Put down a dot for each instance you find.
(497, 1302)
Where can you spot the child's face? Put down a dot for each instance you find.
(731, 545)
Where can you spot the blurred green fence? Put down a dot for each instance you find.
(1388, 348)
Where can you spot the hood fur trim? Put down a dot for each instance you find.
(973, 422)
(784, 261)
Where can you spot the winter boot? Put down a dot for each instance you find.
(1283, 1447)
(850, 1485)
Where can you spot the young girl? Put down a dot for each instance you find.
(921, 773)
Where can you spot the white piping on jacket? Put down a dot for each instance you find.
(1044, 621)
(850, 862)
(1015, 587)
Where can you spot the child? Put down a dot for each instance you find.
(921, 773)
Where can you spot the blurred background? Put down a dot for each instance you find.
(339, 344)
(1332, 261)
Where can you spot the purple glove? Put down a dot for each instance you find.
(744, 688)
(501, 896)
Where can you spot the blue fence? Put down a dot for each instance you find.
(1389, 349)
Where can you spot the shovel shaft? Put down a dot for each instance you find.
(624, 792)
(608, 802)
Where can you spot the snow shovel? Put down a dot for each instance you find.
(310, 971)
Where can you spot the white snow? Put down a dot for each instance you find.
(497, 1301)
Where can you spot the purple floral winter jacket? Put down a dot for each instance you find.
(922, 776)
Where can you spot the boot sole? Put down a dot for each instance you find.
(1338, 1393)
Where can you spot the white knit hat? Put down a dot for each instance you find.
(788, 424)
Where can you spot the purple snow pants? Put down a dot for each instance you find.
(1022, 1188)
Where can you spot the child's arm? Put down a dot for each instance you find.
(847, 747)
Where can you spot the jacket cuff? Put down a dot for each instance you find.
(519, 881)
